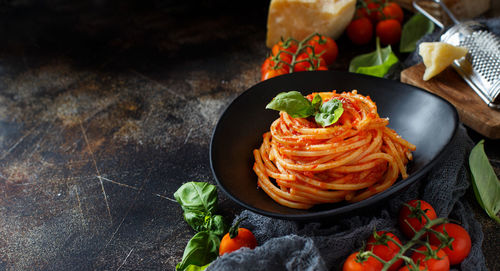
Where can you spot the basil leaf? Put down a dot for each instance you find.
(198, 200)
(376, 63)
(293, 103)
(329, 112)
(413, 30)
(193, 267)
(316, 102)
(216, 225)
(201, 250)
(485, 182)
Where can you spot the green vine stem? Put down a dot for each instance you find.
(427, 228)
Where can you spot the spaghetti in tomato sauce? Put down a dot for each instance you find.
(301, 163)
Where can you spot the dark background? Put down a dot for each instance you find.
(106, 108)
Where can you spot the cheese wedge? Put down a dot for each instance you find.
(437, 56)
(300, 18)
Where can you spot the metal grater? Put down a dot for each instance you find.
(481, 66)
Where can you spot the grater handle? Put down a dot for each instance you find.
(432, 18)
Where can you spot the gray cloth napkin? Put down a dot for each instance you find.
(290, 245)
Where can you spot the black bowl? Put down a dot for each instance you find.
(420, 117)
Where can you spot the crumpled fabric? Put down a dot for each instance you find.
(292, 245)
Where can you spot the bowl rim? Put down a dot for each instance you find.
(401, 184)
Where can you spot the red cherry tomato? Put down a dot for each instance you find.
(370, 264)
(244, 238)
(406, 220)
(374, 11)
(393, 11)
(360, 31)
(273, 73)
(289, 46)
(325, 46)
(442, 263)
(389, 31)
(303, 63)
(387, 249)
(461, 244)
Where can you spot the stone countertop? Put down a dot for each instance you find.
(106, 108)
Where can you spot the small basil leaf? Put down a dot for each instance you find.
(329, 112)
(376, 63)
(193, 267)
(201, 250)
(196, 219)
(216, 225)
(293, 103)
(197, 196)
(316, 102)
(484, 181)
(413, 30)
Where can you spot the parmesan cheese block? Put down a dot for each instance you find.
(300, 18)
(438, 56)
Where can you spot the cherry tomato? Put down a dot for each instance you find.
(322, 68)
(273, 73)
(389, 31)
(266, 65)
(360, 31)
(406, 268)
(393, 11)
(360, 13)
(461, 244)
(385, 249)
(370, 264)
(289, 46)
(406, 216)
(303, 62)
(374, 11)
(237, 238)
(442, 263)
(325, 46)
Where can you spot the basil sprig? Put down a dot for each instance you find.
(198, 200)
(413, 30)
(485, 182)
(376, 63)
(297, 106)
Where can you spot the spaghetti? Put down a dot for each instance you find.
(351, 160)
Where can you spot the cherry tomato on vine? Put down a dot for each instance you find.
(237, 238)
(325, 46)
(273, 73)
(389, 31)
(385, 248)
(374, 11)
(461, 244)
(392, 10)
(442, 262)
(369, 264)
(303, 62)
(289, 46)
(360, 31)
(411, 216)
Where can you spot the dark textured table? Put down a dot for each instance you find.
(106, 108)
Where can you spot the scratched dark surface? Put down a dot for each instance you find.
(106, 108)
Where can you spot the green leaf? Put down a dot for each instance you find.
(201, 250)
(198, 200)
(329, 112)
(413, 30)
(484, 181)
(193, 267)
(376, 63)
(216, 225)
(293, 103)
(316, 102)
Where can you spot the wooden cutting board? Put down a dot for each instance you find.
(472, 111)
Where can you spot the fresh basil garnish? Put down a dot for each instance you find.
(293, 103)
(201, 250)
(485, 182)
(376, 63)
(297, 106)
(329, 112)
(413, 30)
(198, 200)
